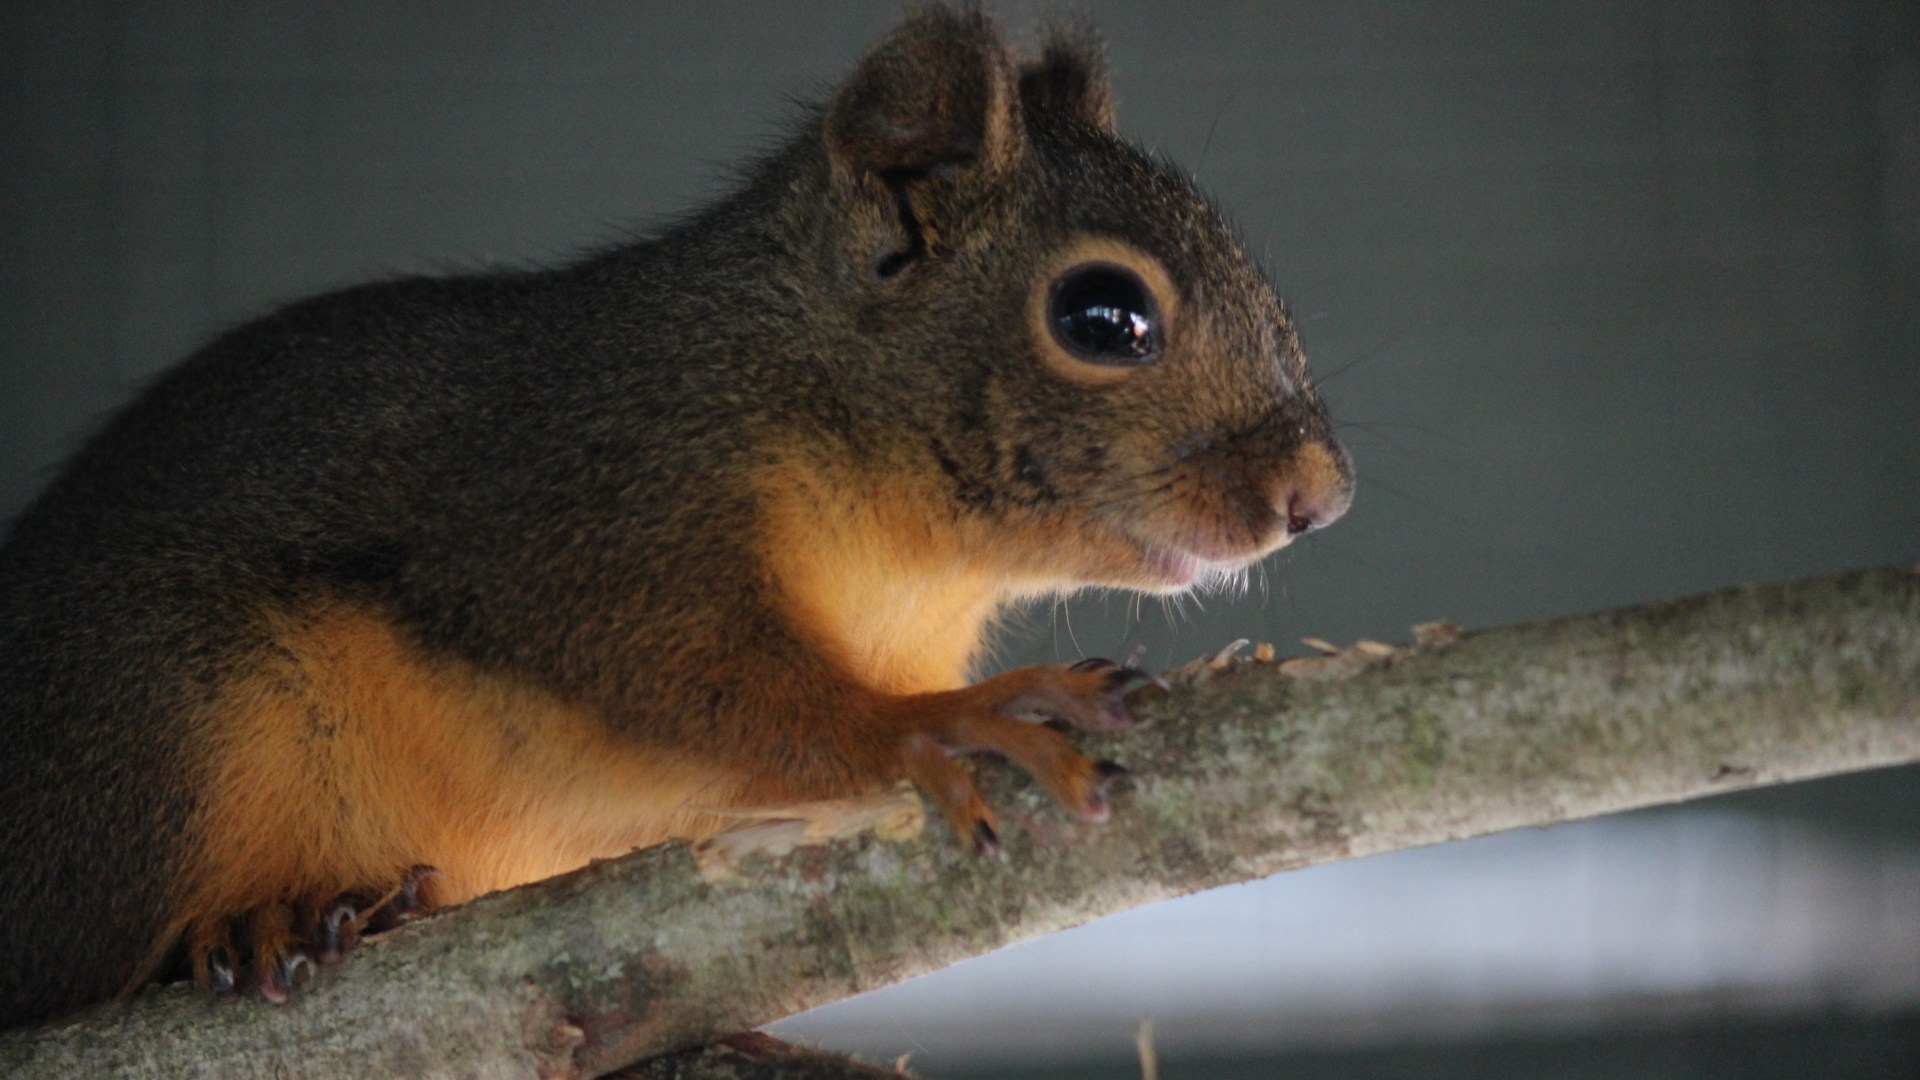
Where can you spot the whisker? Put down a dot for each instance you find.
(1066, 611)
(1218, 113)
(1367, 354)
(1373, 429)
(1425, 504)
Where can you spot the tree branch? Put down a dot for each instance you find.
(1240, 772)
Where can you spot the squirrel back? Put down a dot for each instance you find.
(497, 574)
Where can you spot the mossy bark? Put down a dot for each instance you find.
(1241, 770)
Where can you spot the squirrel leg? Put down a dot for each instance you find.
(990, 717)
(275, 947)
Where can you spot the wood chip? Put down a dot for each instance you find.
(1341, 666)
(1143, 1044)
(1336, 662)
(1226, 654)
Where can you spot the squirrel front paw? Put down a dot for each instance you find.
(1011, 715)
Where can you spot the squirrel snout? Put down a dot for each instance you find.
(1318, 489)
(1307, 511)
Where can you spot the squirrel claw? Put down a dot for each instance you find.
(393, 909)
(1110, 712)
(219, 969)
(1123, 679)
(1126, 680)
(986, 841)
(1090, 695)
(1105, 775)
(294, 969)
(333, 933)
(274, 989)
(417, 875)
(1104, 706)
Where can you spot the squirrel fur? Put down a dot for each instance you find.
(497, 574)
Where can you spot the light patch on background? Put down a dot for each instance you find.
(1644, 917)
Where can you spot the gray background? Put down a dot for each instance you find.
(1614, 302)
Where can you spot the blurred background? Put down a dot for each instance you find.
(1614, 302)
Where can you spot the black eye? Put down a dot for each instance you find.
(1104, 314)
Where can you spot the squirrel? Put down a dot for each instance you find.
(435, 586)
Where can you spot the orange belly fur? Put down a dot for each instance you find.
(347, 757)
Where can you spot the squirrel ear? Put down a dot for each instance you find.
(938, 93)
(1070, 78)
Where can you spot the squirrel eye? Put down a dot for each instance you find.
(1104, 314)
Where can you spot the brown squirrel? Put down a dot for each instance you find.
(498, 574)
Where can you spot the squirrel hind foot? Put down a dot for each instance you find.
(276, 948)
(258, 950)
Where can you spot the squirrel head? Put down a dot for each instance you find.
(1056, 328)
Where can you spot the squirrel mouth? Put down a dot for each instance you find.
(1175, 569)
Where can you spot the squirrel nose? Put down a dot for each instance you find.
(1306, 513)
(1320, 489)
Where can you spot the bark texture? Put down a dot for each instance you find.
(1243, 769)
